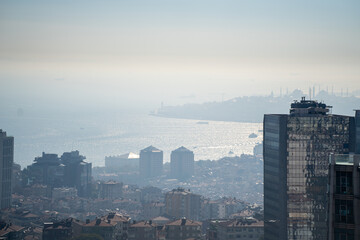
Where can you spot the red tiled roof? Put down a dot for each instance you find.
(143, 224)
(187, 223)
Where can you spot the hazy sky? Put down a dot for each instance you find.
(78, 53)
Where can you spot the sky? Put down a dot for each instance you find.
(140, 53)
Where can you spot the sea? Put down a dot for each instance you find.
(98, 136)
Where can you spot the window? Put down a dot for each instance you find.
(344, 234)
(344, 212)
(344, 182)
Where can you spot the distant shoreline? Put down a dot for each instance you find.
(196, 119)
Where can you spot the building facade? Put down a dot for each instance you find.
(344, 192)
(109, 227)
(235, 229)
(144, 230)
(6, 164)
(46, 170)
(151, 162)
(111, 190)
(296, 155)
(77, 172)
(123, 163)
(68, 171)
(182, 203)
(182, 163)
(183, 229)
(58, 230)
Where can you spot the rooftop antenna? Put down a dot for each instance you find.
(310, 93)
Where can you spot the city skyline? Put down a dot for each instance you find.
(88, 88)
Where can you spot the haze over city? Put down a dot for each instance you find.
(179, 120)
(142, 53)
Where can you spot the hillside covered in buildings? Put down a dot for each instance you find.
(253, 108)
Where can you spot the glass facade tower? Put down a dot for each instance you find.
(296, 157)
(344, 202)
(6, 164)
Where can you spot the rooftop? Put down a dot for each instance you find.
(184, 222)
(129, 155)
(305, 107)
(182, 149)
(345, 159)
(151, 149)
(144, 224)
(239, 223)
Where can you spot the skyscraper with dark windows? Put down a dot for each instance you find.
(296, 162)
(6, 164)
(344, 201)
(182, 163)
(77, 172)
(71, 170)
(151, 162)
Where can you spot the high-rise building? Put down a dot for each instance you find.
(6, 164)
(296, 156)
(182, 163)
(344, 192)
(357, 131)
(70, 171)
(77, 172)
(46, 170)
(151, 162)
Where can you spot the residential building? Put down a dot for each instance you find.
(58, 230)
(152, 210)
(77, 172)
(160, 221)
(151, 194)
(64, 192)
(110, 190)
(6, 165)
(296, 155)
(46, 170)
(182, 163)
(9, 231)
(344, 192)
(68, 171)
(183, 229)
(145, 230)
(235, 229)
(220, 209)
(151, 162)
(182, 203)
(123, 163)
(109, 227)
